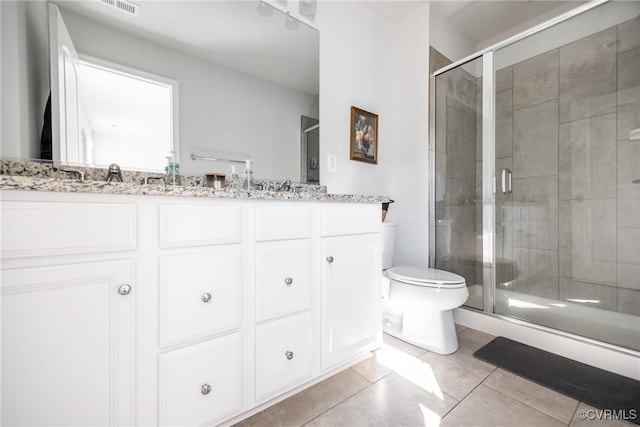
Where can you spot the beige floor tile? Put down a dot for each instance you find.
(487, 407)
(588, 416)
(476, 336)
(458, 373)
(308, 404)
(405, 347)
(460, 328)
(372, 369)
(538, 397)
(392, 401)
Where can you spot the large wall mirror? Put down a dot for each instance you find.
(234, 80)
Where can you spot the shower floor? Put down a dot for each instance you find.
(611, 327)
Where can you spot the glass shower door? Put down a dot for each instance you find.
(458, 181)
(567, 228)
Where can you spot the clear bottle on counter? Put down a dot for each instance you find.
(247, 183)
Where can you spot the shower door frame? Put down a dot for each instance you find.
(489, 179)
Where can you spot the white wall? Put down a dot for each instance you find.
(449, 42)
(24, 77)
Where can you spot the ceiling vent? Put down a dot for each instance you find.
(123, 6)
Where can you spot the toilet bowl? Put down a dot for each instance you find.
(418, 302)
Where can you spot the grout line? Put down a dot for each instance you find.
(339, 403)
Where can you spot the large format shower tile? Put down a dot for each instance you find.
(535, 140)
(628, 192)
(535, 213)
(628, 93)
(504, 79)
(590, 294)
(588, 76)
(504, 124)
(539, 397)
(629, 301)
(535, 80)
(629, 35)
(487, 407)
(588, 158)
(629, 258)
(588, 240)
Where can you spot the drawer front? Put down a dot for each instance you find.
(283, 278)
(283, 222)
(200, 294)
(198, 225)
(185, 399)
(283, 354)
(32, 229)
(350, 218)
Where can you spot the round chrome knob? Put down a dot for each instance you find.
(329, 259)
(206, 297)
(124, 289)
(289, 355)
(288, 281)
(206, 389)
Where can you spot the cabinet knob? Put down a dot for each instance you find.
(289, 355)
(206, 389)
(288, 281)
(206, 297)
(329, 259)
(124, 289)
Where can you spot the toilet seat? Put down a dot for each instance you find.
(428, 277)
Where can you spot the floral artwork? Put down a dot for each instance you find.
(364, 136)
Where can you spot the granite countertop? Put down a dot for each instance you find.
(35, 178)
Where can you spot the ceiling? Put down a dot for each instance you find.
(479, 20)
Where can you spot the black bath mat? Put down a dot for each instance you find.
(594, 386)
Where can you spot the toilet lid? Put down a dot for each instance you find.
(425, 276)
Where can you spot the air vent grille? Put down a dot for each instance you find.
(123, 6)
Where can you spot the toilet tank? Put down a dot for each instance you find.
(388, 243)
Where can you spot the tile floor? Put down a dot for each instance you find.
(403, 385)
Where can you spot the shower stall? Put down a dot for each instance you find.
(536, 183)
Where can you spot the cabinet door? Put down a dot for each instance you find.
(68, 345)
(351, 317)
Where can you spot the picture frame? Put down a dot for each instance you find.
(364, 136)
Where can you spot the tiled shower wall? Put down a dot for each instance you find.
(574, 219)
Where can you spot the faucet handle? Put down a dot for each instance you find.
(114, 173)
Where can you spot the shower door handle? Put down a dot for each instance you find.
(506, 181)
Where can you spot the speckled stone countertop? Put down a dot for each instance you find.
(35, 176)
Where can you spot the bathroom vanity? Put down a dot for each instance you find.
(125, 309)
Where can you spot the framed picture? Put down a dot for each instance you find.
(364, 136)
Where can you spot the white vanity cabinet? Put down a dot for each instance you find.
(200, 311)
(285, 299)
(150, 310)
(351, 274)
(68, 289)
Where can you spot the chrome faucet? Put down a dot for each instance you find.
(78, 172)
(285, 186)
(114, 174)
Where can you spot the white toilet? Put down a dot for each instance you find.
(418, 302)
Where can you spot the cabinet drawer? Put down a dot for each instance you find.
(283, 354)
(198, 225)
(200, 294)
(283, 222)
(350, 218)
(283, 278)
(185, 375)
(54, 228)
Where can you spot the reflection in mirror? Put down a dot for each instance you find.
(244, 78)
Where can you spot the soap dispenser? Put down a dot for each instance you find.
(248, 175)
(173, 170)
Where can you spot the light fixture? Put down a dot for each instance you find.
(291, 23)
(264, 9)
(308, 7)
